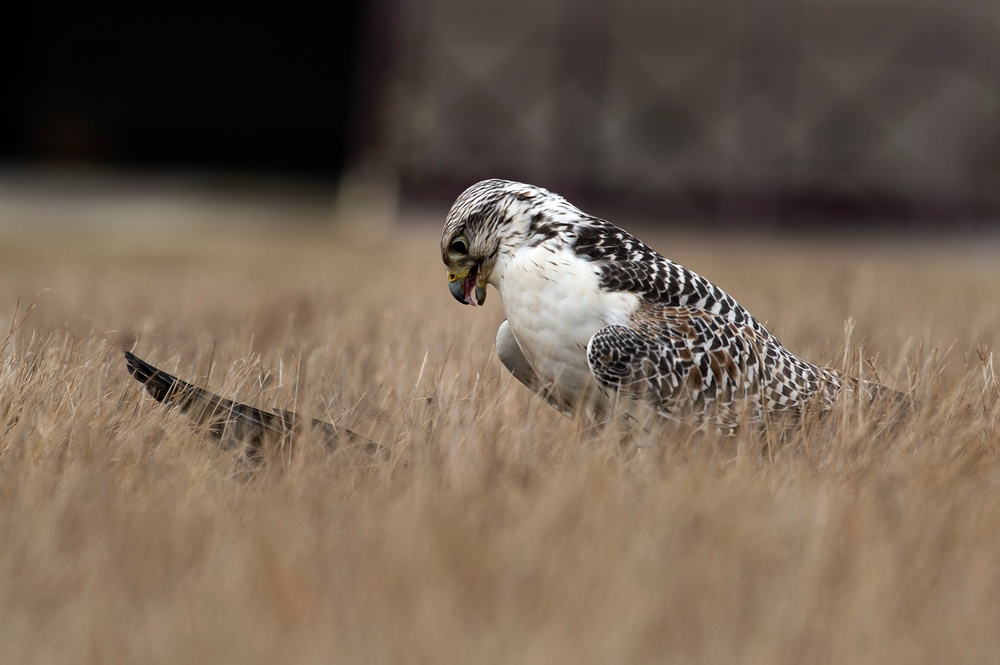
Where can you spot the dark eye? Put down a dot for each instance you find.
(459, 246)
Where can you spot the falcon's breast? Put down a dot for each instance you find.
(555, 303)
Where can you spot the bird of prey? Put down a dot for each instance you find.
(231, 423)
(599, 322)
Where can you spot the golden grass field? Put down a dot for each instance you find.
(497, 532)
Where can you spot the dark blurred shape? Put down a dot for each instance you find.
(233, 424)
(769, 109)
(247, 86)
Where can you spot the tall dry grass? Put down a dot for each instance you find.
(497, 532)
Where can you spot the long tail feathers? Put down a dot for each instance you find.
(877, 394)
(227, 421)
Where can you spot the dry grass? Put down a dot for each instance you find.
(497, 532)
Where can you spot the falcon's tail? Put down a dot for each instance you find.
(229, 422)
(875, 394)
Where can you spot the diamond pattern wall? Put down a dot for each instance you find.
(877, 106)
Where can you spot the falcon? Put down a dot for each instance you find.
(598, 322)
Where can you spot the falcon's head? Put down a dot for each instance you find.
(489, 217)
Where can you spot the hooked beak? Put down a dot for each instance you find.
(467, 285)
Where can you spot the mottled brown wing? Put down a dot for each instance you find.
(693, 365)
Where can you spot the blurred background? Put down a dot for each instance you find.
(784, 114)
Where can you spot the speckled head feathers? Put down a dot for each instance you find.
(482, 212)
